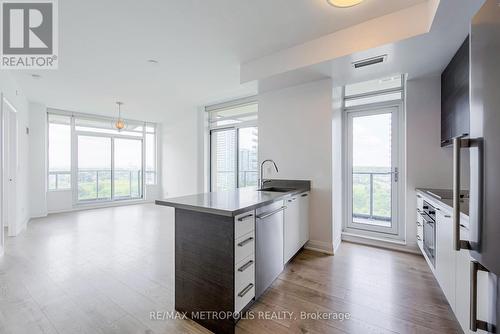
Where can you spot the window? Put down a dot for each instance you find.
(233, 144)
(94, 168)
(59, 151)
(108, 164)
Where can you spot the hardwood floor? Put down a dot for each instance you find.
(106, 270)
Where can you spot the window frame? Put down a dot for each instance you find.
(49, 173)
(236, 127)
(74, 152)
(400, 104)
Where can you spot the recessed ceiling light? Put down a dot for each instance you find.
(153, 61)
(36, 76)
(344, 3)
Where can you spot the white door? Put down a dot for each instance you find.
(10, 167)
(373, 170)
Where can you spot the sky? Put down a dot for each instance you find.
(372, 141)
(93, 152)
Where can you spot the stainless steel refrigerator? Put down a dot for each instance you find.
(484, 146)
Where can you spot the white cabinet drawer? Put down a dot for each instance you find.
(244, 273)
(243, 296)
(244, 223)
(244, 246)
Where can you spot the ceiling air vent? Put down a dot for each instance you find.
(369, 61)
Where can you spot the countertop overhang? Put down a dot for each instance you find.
(234, 202)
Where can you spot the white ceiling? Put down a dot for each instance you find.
(422, 56)
(200, 45)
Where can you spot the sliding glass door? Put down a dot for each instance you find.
(94, 168)
(223, 148)
(108, 168)
(127, 168)
(234, 158)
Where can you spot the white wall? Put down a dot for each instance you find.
(181, 153)
(337, 177)
(295, 130)
(13, 93)
(428, 165)
(38, 160)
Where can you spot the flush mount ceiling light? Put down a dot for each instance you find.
(120, 123)
(344, 3)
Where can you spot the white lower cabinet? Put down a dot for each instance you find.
(296, 225)
(445, 255)
(244, 260)
(291, 228)
(462, 285)
(304, 217)
(453, 272)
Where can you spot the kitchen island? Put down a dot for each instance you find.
(231, 245)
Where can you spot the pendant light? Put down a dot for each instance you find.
(344, 3)
(120, 123)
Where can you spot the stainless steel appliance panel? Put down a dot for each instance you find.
(485, 124)
(269, 245)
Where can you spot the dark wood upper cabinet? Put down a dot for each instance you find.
(455, 107)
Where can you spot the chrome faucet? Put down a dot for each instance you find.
(261, 179)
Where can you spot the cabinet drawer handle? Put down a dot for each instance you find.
(419, 196)
(304, 195)
(269, 214)
(245, 266)
(418, 224)
(245, 217)
(245, 290)
(447, 216)
(418, 238)
(244, 242)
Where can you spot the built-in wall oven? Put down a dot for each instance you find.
(429, 235)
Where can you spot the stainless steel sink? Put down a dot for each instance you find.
(277, 189)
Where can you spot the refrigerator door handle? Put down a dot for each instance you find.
(458, 144)
(476, 324)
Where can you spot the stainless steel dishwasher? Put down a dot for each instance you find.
(269, 245)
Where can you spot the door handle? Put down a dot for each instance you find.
(396, 174)
(458, 144)
(476, 324)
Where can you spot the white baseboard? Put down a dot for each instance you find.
(39, 216)
(336, 244)
(320, 246)
(375, 242)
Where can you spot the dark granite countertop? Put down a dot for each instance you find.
(445, 197)
(234, 202)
